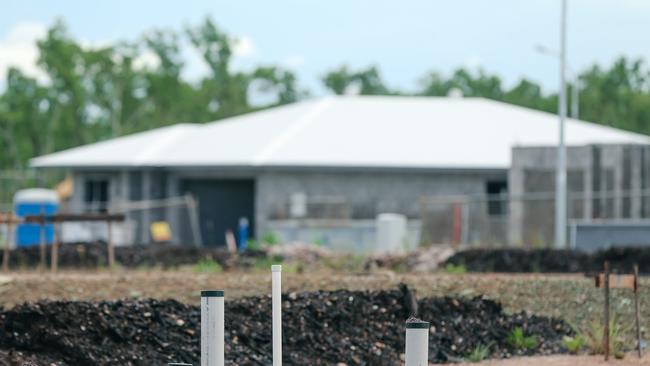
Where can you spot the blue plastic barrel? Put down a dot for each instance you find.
(34, 201)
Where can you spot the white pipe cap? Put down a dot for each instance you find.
(276, 268)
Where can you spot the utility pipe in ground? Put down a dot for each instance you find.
(276, 291)
(417, 342)
(212, 328)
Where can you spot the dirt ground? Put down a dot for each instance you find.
(571, 297)
(185, 285)
(629, 360)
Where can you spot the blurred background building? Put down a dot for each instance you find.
(460, 170)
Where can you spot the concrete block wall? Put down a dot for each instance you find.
(126, 186)
(609, 179)
(366, 193)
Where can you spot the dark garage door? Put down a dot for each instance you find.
(221, 203)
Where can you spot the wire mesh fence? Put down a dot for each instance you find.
(487, 220)
(527, 220)
(179, 214)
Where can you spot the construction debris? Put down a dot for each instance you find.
(428, 259)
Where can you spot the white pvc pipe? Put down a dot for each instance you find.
(417, 342)
(212, 328)
(276, 291)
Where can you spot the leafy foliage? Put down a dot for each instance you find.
(95, 93)
(98, 92)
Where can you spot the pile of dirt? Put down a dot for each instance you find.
(551, 260)
(320, 328)
(93, 255)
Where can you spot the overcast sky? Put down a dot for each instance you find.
(404, 38)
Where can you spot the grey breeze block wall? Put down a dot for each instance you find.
(604, 182)
(365, 193)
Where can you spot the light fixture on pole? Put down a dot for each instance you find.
(575, 90)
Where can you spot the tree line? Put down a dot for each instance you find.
(95, 93)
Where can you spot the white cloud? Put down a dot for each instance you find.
(243, 47)
(293, 62)
(195, 66)
(473, 62)
(18, 49)
(94, 45)
(146, 60)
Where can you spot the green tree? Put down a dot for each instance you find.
(94, 93)
(224, 91)
(618, 96)
(282, 83)
(480, 85)
(368, 81)
(25, 111)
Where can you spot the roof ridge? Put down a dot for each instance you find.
(171, 136)
(297, 126)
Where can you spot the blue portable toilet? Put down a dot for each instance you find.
(34, 201)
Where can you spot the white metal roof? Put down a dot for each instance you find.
(347, 131)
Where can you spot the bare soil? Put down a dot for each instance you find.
(630, 359)
(570, 297)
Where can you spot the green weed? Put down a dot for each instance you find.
(479, 354)
(207, 266)
(455, 269)
(517, 340)
(265, 263)
(270, 238)
(593, 336)
(573, 344)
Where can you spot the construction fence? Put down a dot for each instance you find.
(166, 220)
(528, 220)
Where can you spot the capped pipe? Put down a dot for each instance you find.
(417, 342)
(276, 291)
(212, 328)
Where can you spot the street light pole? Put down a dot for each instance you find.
(575, 98)
(575, 91)
(560, 174)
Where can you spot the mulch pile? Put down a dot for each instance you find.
(320, 328)
(93, 255)
(551, 261)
